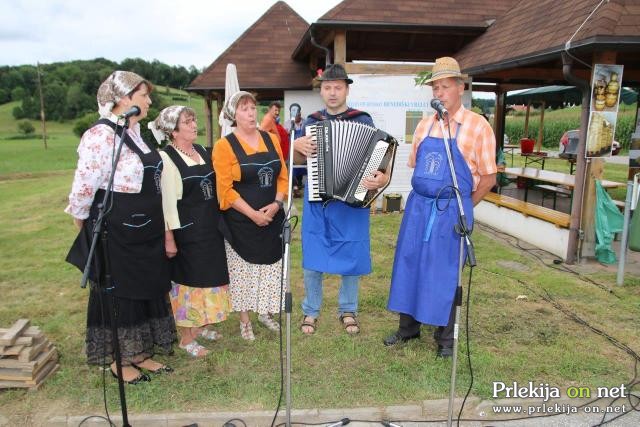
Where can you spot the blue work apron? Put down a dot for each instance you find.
(425, 268)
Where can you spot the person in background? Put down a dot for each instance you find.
(298, 131)
(425, 268)
(252, 182)
(199, 274)
(270, 119)
(138, 264)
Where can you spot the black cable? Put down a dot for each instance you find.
(531, 251)
(85, 419)
(468, 332)
(229, 423)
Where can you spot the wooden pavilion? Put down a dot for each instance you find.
(512, 44)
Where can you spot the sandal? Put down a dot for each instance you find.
(313, 323)
(194, 349)
(269, 322)
(352, 328)
(210, 335)
(246, 331)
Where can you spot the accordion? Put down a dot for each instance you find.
(347, 153)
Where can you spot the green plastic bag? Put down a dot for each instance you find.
(609, 221)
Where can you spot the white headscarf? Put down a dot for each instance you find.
(166, 122)
(118, 85)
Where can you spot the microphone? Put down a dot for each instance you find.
(133, 111)
(437, 105)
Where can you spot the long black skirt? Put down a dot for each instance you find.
(145, 327)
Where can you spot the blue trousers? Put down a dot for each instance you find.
(347, 296)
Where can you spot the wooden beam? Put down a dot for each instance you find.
(498, 117)
(340, 47)
(541, 128)
(208, 119)
(393, 69)
(526, 120)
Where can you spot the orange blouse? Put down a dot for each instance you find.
(227, 168)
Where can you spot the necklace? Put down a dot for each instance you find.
(193, 152)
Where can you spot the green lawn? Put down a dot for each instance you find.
(524, 340)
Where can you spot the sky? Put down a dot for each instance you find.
(186, 32)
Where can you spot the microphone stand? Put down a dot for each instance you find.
(288, 300)
(105, 280)
(465, 240)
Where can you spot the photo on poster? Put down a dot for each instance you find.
(602, 128)
(634, 153)
(606, 87)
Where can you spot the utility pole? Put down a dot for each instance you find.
(44, 126)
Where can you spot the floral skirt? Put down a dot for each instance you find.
(195, 307)
(145, 327)
(254, 287)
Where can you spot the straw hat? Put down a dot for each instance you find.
(445, 67)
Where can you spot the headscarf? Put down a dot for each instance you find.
(118, 85)
(166, 122)
(229, 108)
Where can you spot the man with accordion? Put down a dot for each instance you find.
(335, 234)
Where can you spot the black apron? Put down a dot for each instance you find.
(135, 229)
(258, 187)
(201, 261)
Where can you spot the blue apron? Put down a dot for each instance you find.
(335, 236)
(425, 268)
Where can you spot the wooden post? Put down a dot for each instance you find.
(208, 119)
(340, 47)
(541, 129)
(498, 116)
(593, 171)
(42, 118)
(526, 121)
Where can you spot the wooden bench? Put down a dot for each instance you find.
(559, 219)
(554, 190)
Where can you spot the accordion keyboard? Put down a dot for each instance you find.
(313, 181)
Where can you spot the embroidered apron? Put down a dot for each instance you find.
(258, 187)
(135, 230)
(425, 268)
(201, 261)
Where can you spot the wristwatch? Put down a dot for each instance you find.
(279, 203)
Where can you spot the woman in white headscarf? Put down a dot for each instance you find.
(199, 264)
(252, 182)
(138, 264)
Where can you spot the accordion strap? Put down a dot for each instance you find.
(349, 114)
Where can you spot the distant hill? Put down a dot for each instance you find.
(69, 88)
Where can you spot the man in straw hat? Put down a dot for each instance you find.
(335, 236)
(425, 270)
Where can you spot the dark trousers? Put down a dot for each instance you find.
(443, 334)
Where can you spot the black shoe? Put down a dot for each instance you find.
(164, 369)
(396, 338)
(444, 352)
(140, 378)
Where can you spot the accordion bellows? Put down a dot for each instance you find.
(347, 153)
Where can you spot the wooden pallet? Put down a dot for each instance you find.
(27, 357)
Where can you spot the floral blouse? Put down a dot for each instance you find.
(95, 157)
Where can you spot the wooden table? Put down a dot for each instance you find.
(556, 178)
(509, 148)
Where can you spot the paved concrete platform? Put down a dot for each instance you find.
(567, 412)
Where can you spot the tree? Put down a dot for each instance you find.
(25, 127)
(17, 93)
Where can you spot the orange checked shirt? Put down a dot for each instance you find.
(475, 139)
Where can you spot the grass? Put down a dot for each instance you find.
(524, 340)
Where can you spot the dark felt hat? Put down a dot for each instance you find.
(335, 72)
